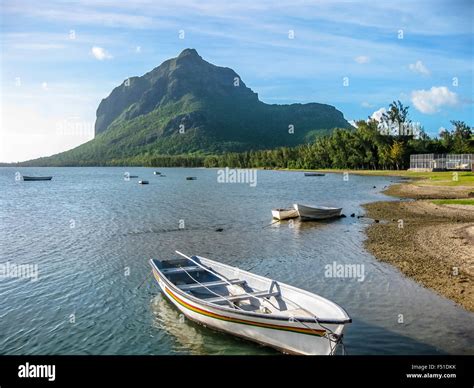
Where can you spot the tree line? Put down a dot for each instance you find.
(384, 144)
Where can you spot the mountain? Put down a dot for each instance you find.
(187, 105)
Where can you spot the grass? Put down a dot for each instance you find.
(454, 202)
(442, 178)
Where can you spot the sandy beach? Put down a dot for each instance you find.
(429, 242)
(415, 191)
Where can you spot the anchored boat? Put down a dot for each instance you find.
(37, 178)
(284, 214)
(313, 174)
(317, 212)
(250, 306)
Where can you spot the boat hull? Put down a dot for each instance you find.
(288, 335)
(317, 213)
(37, 178)
(284, 214)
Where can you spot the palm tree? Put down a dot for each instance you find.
(397, 115)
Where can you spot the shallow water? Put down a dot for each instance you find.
(91, 234)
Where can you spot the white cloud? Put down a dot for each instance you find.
(100, 53)
(353, 123)
(362, 59)
(430, 101)
(377, 115)
(419, 67)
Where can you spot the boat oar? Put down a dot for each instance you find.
(204, 268)
(219, 276)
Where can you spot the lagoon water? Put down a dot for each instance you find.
(91, 234)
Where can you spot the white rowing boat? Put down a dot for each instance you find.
(317, 212)
(284, 214)
(250, 306)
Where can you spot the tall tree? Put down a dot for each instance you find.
(396, 119)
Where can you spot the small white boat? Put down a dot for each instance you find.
(143, 182)
(156, 173)
(284, 214)
(250, 306)
(317, 212)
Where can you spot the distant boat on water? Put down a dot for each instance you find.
(143, 182)
(37, 178)
(313, 174)
(156, 173)
(191, 178)
(317, 212)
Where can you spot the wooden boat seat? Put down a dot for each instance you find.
(216, 283)
(237, 298)
(172, 271)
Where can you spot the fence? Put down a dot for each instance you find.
(440, 162)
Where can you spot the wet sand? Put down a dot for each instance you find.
(433, 244)
(415, 191)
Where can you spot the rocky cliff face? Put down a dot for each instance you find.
(168, 83)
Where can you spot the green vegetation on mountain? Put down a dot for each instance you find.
(374, 145)
(368, 147)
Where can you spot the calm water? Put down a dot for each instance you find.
(91, 234)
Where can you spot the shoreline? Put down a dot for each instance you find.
(429, 242)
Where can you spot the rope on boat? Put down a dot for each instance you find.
(332, 337)
(144, 280)
(274, 222)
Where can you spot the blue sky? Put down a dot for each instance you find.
(60, 58)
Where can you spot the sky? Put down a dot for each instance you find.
(60, 58)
